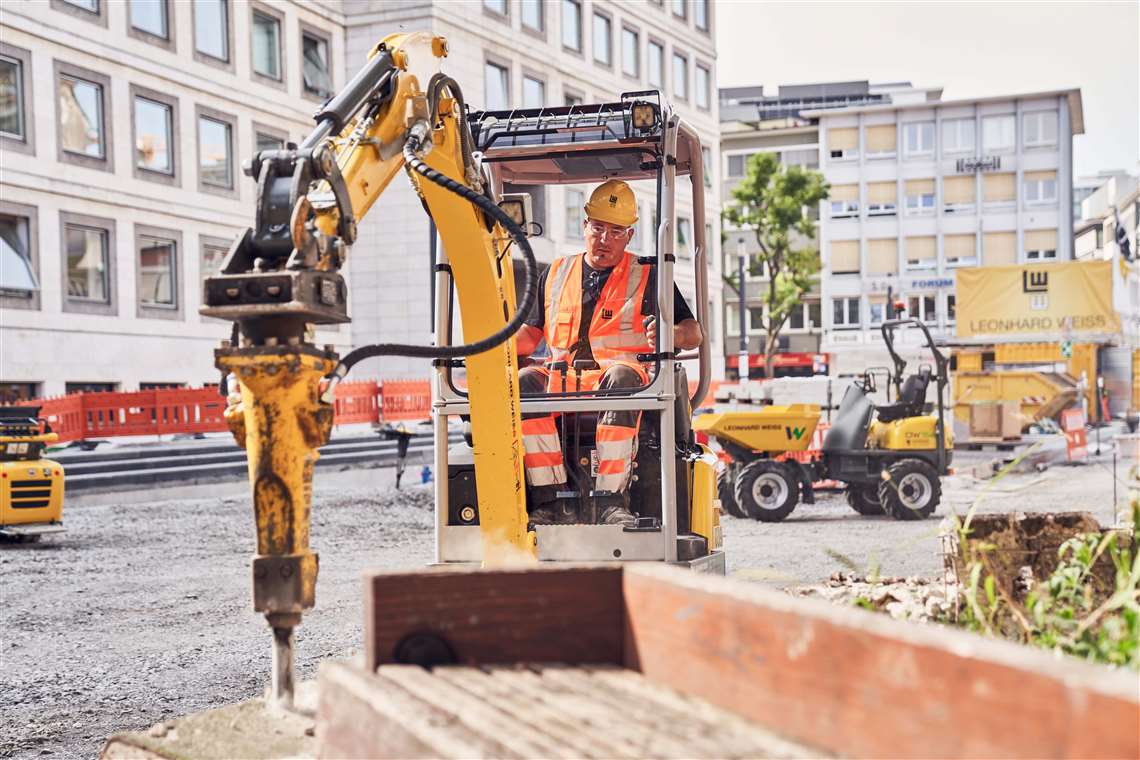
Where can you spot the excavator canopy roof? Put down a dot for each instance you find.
(580, 144)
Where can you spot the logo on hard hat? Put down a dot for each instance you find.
(613, 200)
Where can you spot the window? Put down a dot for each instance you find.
(534, 92)
(684, 237)
(603, 44)
(999, 248)
(211, 29)
(215, 152)
(918, 139)
(755, 319)
(921, 252)
(958, 136)
(1040, 129)
(951, 308)
(13, 393)
(805, 159)
(960, 250)
(844, 257)
(1040, 245)
(630, 52)
(88, 10)
(883, 256)
(571, 98)
(1040, 188)
(680, 76)
(706, 163)
(958, 194)
(882, 198)
(702, 87)
(266, 50)
(84, 387)
(572, 24)
(999, 189)
(265, 141)
(845, 312)
(13, 122)
(796, 317)
(844, 201)
(843, 143)
(655, 65)
(878, 309)
(81, 117)
(738, 164)
(924, 308)
(87, 265)
(154, 135)
(880, 141)
(158, 272)
(575, 200)
(91, 6)
(998, 134)
(496, 6)
(680, 8)
(701, 14)
(17, 272)
(919, 196)
(213, 253)
(496, 83)
(315, 65)
(149, 16)
(533, 15)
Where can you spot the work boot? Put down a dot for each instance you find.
(556, 512)
(612, 509)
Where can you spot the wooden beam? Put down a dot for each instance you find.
(859, 684)
(538, 614)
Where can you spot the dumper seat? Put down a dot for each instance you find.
(911, 401)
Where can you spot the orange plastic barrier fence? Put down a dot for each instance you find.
(357, 402)
(168, 411)
(405, 400)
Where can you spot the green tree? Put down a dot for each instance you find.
(773, 201)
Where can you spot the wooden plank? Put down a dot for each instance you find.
(534, 614)
(365, 715)
(859, 684)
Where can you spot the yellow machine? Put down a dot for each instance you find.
(891, 457)
(400, 114)
(31, 487)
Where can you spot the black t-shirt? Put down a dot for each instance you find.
(593, 280)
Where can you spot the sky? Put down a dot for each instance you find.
(970, 49)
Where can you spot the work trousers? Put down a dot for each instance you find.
(616, 437)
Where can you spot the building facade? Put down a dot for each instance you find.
(123, 127)
(922, 187)
(753, 122)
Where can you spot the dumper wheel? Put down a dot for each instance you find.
(767, 490)
(727, 494)
(912, 491)
(864, 500)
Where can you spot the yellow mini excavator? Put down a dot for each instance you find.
(401, 114)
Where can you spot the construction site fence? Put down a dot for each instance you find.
(174, 411)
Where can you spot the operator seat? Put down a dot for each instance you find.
(911, 401)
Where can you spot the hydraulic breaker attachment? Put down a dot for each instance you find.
(281, 422)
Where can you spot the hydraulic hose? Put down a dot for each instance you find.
(517, 233)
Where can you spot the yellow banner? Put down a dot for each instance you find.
(1063, 301)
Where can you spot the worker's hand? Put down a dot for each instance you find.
(650, 330)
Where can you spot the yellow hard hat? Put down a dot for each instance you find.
(613, 202)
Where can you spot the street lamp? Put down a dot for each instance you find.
(742, 254)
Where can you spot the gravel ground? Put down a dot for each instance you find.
(141, 611)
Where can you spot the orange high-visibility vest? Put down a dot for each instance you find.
(617, 329)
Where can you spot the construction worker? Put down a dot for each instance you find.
(597, 312)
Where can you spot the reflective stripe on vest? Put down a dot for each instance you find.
(617, 332)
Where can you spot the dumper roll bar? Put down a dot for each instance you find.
(941, 366)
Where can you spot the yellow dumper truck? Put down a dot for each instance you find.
(31, 487)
